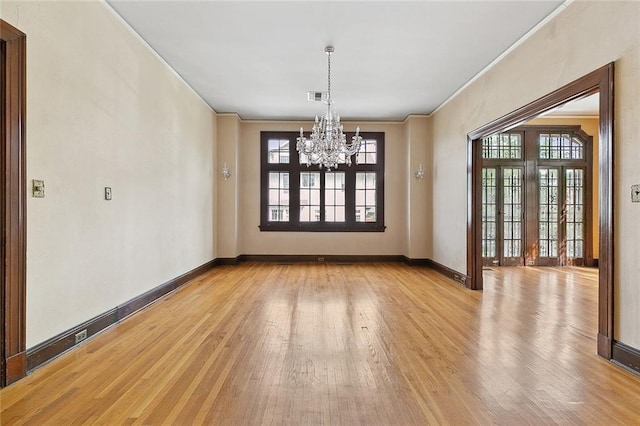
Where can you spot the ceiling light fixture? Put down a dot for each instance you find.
(327, 146)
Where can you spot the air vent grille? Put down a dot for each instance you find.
(317, 96)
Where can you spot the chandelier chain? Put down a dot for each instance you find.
(329, 75)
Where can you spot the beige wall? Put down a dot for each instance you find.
(407, 202)
(228, 209)
(590, 126)
(103, 110)
(584, 37)
(419, 192)
(390, 242)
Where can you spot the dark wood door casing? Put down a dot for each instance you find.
(2, 203)
(13, 194)
(599, 81)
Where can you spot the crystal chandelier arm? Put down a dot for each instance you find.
(304, 145)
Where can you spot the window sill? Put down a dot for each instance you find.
(279, 227)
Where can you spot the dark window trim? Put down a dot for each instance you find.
(294, 167)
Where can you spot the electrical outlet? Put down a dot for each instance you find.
(321, 259)
(81, 336)
(459, 278)
(635, 193)
(107, 193)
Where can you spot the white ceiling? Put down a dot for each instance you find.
(583, 107)
(259, 59)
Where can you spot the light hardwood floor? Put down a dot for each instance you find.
(343, 344)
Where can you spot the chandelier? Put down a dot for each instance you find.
(327, 146)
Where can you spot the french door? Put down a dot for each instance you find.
(503, 215)
(535, 198)
(561, 216)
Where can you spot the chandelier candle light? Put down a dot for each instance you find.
(327, 146)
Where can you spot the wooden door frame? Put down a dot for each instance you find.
(599, 81)
(13, 194)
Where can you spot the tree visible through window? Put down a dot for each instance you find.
(295, 197)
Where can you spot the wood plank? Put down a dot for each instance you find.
(326, 343)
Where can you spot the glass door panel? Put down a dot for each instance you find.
(574, 215)
(489, 215)
(502, 215)
(512, 215)
(548, 215)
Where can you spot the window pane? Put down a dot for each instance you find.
(502, 146)
(329, 197)
(329, 214)
(274, 180)
(304, 214)
(329, 180)
(365, 197)
(274, 196)
(278, 151)
(278, 202)
(334, 196)
(371, 214)
(368, 152)
(310, 197)
(559, 146)
(371, 181)
(370, 199)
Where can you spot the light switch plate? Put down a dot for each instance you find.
(38, 188)
(635, 193)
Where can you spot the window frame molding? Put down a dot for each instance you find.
(294, 168)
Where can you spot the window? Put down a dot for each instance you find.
(502, 146)
(559, 146)
(295, 197)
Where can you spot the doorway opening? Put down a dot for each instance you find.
(598, 82)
